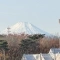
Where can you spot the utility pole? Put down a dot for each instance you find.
(58, 43)
(59, 21)
(59, 37)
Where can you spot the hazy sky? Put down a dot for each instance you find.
(42, 13)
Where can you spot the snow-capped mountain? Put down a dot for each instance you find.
(24, 27)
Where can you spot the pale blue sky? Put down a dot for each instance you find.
(42, 13)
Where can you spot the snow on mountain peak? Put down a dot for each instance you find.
(24, 27)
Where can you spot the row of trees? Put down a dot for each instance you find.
(3, 49)
(31, 44)
(28, 44)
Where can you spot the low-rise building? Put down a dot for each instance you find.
(54, 54)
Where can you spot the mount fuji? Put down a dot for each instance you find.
(24, 27)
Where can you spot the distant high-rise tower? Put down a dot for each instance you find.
(8, 30)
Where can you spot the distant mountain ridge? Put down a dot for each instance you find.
(24, 27)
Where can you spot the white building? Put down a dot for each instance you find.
(54, 54)
(31, 57)
(46, 57)
(54, 50)
(37, 57)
